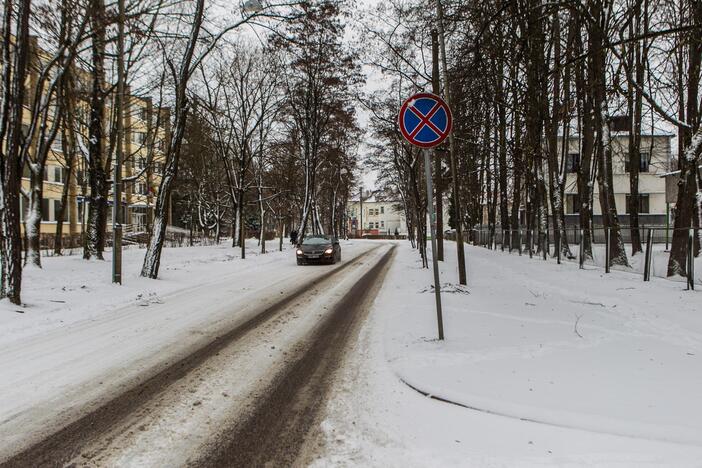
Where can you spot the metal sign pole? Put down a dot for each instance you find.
(434, 259)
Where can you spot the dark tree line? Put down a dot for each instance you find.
(527, 78)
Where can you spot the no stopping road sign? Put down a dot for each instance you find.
(425, 120)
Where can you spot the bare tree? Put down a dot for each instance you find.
(15, 58)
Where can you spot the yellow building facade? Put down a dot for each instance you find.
(146, 138)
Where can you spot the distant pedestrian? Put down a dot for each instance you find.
(293, 237)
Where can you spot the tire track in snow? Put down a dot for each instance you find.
(276, 432)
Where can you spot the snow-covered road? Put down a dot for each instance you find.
(57, 372)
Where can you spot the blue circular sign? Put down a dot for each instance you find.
(425, 120)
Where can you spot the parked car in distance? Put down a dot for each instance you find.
(318, 249)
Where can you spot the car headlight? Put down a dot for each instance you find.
(299, 251)
(329, 251)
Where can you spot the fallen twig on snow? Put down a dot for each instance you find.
(448, 288)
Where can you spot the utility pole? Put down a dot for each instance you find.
(360, 210)
(117, 178)
(452, 152)
(436, 89)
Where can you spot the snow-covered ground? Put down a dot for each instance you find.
(554, 366)
(69, 289)
(547, 365)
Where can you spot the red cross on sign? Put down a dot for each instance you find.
(425, 120)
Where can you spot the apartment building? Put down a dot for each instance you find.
(655, 161)
(147, 133)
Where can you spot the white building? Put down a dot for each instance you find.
(380, 217)
(655, 161)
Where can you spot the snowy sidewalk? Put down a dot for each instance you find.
(553, 344)
(554, 367)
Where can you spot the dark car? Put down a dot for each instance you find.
(319, 249)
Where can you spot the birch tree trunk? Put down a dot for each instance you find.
(94, 238)
(14, 73)
(152, 259)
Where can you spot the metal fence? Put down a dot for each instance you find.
(546, 245)
(133, 238)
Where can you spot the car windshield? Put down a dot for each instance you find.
(316, 241)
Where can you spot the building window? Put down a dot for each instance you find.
(57, 208)
(144, 114)
(59, 174)
(45, 213)
(572, 163)
(572, 203)
(644, 206)
(57, 144)
(382, 209)
(620, 123)
(382, 224)
(644, 163)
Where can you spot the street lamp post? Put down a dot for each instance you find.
(342, 176)
(117, 178)
(360, 210)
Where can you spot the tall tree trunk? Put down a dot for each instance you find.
(637, 54)
(587, 137)
(14, 73)
(555, 179)
(68, 149)
(502, 142)
(94, 238)
(438, 183)
(603, 147)
(687, 207)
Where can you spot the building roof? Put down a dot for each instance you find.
(374, 199)
(655, 133)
